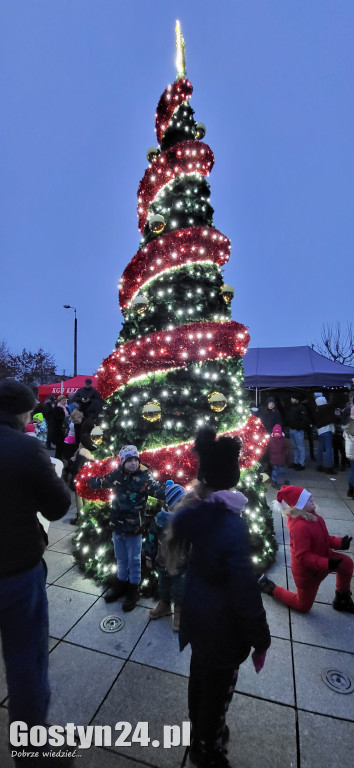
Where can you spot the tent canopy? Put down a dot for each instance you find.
(67, 387)
(279, 367)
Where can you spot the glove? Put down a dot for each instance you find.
(148, 562)
(258, 660)
(333, 563)
(346, 542)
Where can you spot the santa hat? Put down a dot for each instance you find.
(277, 431)
(293, 496)
(321, 400)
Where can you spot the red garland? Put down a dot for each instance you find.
(173, 96)
(164, 350)
(178, 462)
(175, 249)
(185, 157)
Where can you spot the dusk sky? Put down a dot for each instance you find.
(80, 82)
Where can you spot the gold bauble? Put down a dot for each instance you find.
(96, 435)
(152, 153)
(200, 131)
(151, 411)
(227, 293)
(140, 304)
(217, 401)
(156, 224)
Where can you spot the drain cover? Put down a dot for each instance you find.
(112, 624)
(338, 681)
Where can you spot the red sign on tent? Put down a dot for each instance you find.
(67, 387)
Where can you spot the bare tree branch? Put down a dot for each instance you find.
(336, 343)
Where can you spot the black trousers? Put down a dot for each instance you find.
(209, 694)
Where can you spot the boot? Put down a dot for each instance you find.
(204, 757)
(161, 609)
(131, 597)
(350, 491)
(117, 589)
(266, 585)
(343, 602)
(176, 618)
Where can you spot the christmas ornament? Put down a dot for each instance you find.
(97, 435)
(227, 293)
(151, 411)
(217, 401)
(140, 303)
(152, 153)
(200, 131)
(156, 223)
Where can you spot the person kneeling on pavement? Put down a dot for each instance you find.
(312, 555)
(132, 483)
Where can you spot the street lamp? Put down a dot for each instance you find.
(68, 306)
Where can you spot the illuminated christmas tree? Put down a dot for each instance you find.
(178, 358)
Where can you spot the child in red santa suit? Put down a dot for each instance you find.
(312, 556)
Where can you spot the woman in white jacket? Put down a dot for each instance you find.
(349, 450)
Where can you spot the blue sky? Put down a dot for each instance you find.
(80, 81)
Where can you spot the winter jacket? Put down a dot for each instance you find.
(278, 451)
(60, 424)
(222, 613)
(28, 485)
(130, 496)
(310, 547)
(324, 417)
(152, 545)
(89, 400)
(270, 417)
(297, 417)
(349, 445)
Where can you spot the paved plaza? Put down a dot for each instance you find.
(287, 716)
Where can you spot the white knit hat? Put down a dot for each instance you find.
(321, 400)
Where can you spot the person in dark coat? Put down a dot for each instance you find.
(28, 484)
(89, 399)
(297, 420)
(222, 615)
(270, 415)
(60, 425)
(47, 411)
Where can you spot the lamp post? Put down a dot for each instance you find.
(68, 306)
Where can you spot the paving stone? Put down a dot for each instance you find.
(75, 579)
(97, 757)
(275, 681)
(89, 634)
(96, 672)
(324, 626)
(159, 648)
(147, 694)
(311, 692)
(53, 641)
(63, 545)
(5, 758)
(278, 574)
(277, 617)
(337, 510)
(325, 741)
(65, 608)
(57, 564)
(262, 734)
(56, 534)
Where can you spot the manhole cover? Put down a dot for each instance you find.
(112, 624)
(338, 681)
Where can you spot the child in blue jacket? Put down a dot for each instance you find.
(171, 587)
(132, 483)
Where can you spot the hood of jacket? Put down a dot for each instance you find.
(236, 502)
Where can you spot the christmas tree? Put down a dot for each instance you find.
(178, 359)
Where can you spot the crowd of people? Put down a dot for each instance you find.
(198, 542)
(288, 426)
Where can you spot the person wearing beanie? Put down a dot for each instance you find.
(222, 615)
(278, 454)
(132, 483)
(28, 485)
(41, 427)
(349, 450)
(324, 421)
(312, 555)
(270, 415)
(60, 425)
(297, 421)
(170, 586)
